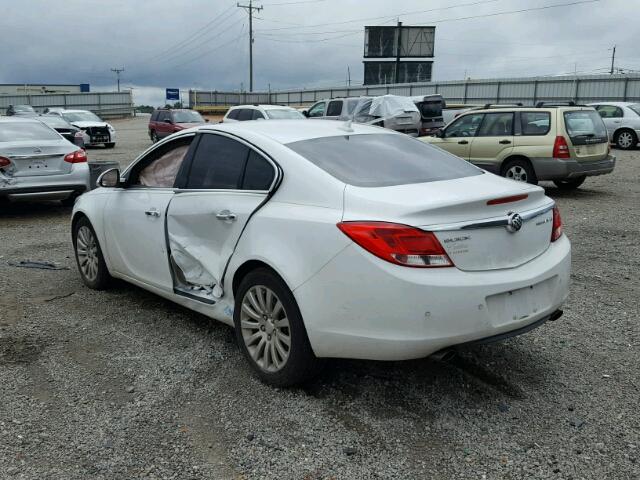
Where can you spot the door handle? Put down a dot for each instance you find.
(226, 215)
(152, 213)
(505, 142)
(463, 142)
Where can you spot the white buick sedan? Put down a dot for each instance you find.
(324, 239)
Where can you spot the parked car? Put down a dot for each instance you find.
(68, 131)
(37, 163)
(99, 131)
(431, 109)
(565, 144)
(319, 239)
(622, 120)
(388, 111)
(22, 110)
(165, 121)
(243, 113)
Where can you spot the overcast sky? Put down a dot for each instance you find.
(300, 43)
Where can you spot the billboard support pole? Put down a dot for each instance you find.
(397, 69)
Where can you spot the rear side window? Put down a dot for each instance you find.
(496, 125)
(233, 114)
(380, 160)
(334, 109)
(257, 114)
(258, 174)
(535, 123)
(245, 114)
(154, 116)
(609, 111)
(218, 163)
(25, 131)
(585, 126)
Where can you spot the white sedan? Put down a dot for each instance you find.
(325, 239)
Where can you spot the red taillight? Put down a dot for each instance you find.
(556, 231)
(79, 156)
(4, 162)
(398, 244)
(560, 148)
(513, 198)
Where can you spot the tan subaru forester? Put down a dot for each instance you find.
(562, 143)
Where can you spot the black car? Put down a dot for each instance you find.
(26, 110)
(68, 131)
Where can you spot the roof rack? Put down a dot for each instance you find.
(501, 105)
(569, 103)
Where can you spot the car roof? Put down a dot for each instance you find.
(72, 111)
(288, 131)
(505, 108)
(264, 107)
(617, 104)
(14, 119)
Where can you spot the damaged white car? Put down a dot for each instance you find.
(325, 239)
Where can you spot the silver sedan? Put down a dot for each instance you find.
(37, 163)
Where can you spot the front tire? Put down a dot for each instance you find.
(519, 170)
(270, 331)
(569, 184)
(626, 139)
(89, 258)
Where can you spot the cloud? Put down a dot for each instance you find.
(204, 43)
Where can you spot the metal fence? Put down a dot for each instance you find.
(104, 104)
(581, 89)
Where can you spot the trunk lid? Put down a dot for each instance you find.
(47, 158)
(473, 233)
(588, 138)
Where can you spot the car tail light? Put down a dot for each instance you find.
(399, 244)
(79, 156)
(561, 148)
(512, 198)
(4, 162)
(556, 231)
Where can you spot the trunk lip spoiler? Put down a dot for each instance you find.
(500, 221)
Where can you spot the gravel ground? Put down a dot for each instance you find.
(123, 384)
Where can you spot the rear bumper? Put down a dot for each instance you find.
(555, 169)
(46, 187)
(359, 306)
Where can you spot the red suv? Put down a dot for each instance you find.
(166, 121)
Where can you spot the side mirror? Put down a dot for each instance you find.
(109, 178)
(305, 113)
(168, 120)
(206, 120)
(439, 133)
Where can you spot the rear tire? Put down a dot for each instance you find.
(91, 265)
(270, 330)
(154, 136)
(519, 170)
(626, 139)
(571, 184)
(109, 145)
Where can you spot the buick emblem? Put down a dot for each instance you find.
(514, 222)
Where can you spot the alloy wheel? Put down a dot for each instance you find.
(517, 173)
(87, 251)
(265, 328)
(625, 140)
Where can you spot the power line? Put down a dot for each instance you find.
(250, 8)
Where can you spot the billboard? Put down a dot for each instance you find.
(380, 42)
(173, 94)
(383, 72)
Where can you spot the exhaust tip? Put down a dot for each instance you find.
(444, 355)
(556, 315)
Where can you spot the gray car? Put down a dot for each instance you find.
(622, 120)
(37, 163)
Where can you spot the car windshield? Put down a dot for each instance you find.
(381, 160)
(584, 123)
(54, 121)
(81, 117)
(284, 114)
(25, 131)
(187, 116)
(636, 108)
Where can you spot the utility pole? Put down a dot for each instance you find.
(613, 59)
(250, 8)
(398, 48)
(348, 76)
(117, 72)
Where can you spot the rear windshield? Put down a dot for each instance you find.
(284, 114)
(635, 107)
(24, 131)
(431, 108)
(187, 116)
(381, 160)
(585, 126)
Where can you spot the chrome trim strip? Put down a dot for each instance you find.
(501, 221)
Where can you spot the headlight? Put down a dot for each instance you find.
(111, 129)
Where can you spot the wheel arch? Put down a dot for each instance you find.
(623, 129)
(248, 266)
(516, 156)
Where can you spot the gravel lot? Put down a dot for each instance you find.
(123, 384)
